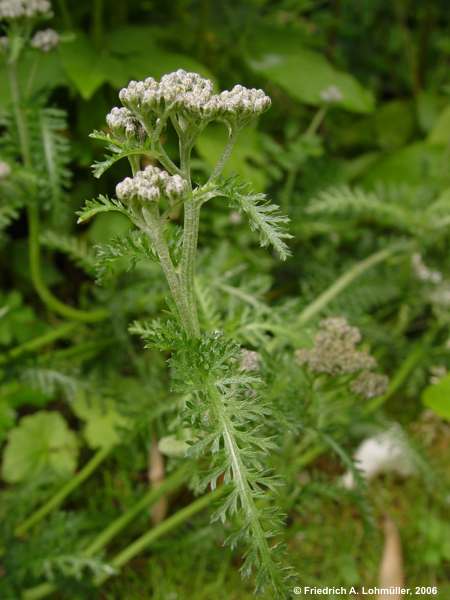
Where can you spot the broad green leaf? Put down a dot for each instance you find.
(210, 146)
(42, 443)
(301, 72)
(437, 397)
(103, 424)
(84, 65)
(142, 55)
(440, 134)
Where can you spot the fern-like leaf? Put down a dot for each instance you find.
(72, 247)
(230, 423)
(264, 217)
(128, 250)
(98, 205)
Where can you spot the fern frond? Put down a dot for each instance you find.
(51, 382)
(72, 247)
(207, 304)
(129, 250)
(263, 216)
(117, 152)
(100, 205)
(51, 151)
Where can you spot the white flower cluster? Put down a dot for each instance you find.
(192, 95)
(122, 121)
(334, 351)
(386, 452)
(45, 40)
(16, 9)
(150, 184)
(5, 170)
(331, 94)
(423, 272)
(370, 385)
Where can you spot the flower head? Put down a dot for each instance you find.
(45, 40)
(192, 95)
(17, 9)
(334, 351)
(151, 184)
(122, 122)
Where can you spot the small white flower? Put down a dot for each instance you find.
(16, 9)
(45, 40)
(5, 170)
(150, 184)
(386, 452)
(122, 121)
(331, 94)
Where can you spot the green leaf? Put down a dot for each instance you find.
(437, 397)
(103, 423)
(141, 55)
(263, 217)
(82, 63)
(102, 204)
(42, 443)
(301, 72)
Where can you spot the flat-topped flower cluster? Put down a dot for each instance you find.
(192, 96)
(19, 9)
(151, 184)
(335, 352)
(45, 40)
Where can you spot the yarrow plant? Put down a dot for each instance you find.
(223, 410)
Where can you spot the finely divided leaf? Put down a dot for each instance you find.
(264, 217)
(100, 205)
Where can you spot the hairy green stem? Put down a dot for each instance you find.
(154, 231)
(190, 236)
(187, 263)
(61, 495)
(163, 528)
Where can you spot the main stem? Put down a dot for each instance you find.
(190, 238)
